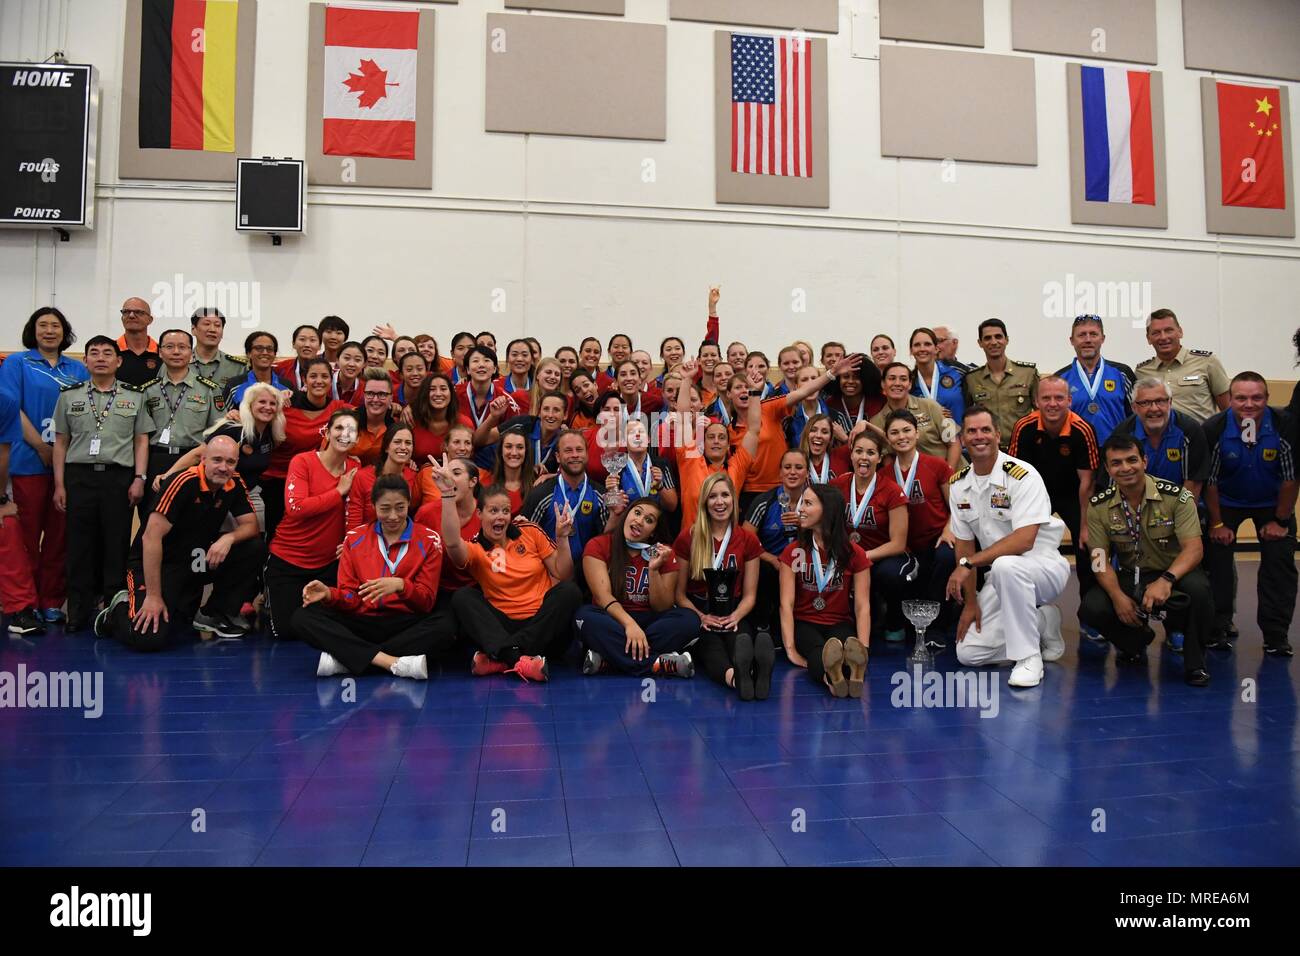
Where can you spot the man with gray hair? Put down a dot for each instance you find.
(947, 343)
(1174, 442)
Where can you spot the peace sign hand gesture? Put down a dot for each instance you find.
(563, 522)
(441, 477)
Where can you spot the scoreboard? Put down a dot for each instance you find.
(48, 127)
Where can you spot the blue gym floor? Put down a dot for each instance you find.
(583, 771)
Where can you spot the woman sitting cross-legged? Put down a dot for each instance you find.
(719, 554)
(826, 595)
(378, 615)
(631, 624)
(523, 607)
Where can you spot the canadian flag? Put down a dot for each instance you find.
(370, 67)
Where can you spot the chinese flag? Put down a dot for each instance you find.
(1250, 146)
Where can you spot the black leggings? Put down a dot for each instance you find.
(548, 632)
(715, 651)
(284, 584)
(809, 639)
(273, 503)
(355, 639)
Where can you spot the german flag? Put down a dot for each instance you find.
(187, 74)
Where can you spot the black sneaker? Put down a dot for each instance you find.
(1277, 650)
(1124, 658)
(219, 625)
(1219, 640)
(26, 622)
(1197, 678)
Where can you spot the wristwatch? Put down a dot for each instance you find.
(1168, 577)
(966, 563)
(141, 477)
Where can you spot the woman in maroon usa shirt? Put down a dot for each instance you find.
(378, 615)
(826, 595)
(306, 544)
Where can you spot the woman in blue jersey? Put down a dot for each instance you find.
(29, 389)
(773, 518)
(936, 379)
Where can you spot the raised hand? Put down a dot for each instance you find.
(563, 522)
(384, 331)
(715, 293)
(441, 477)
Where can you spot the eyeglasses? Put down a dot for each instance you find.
(128, 312)
(375, 396)
(1151, 403)
(1080, 319)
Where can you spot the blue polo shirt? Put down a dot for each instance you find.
(1250, 475)
(1181, 455)
(589, 512)
(948, 389)
(30, 385)
(1112, 399)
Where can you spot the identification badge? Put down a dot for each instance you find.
(166, 437)
(94, 447)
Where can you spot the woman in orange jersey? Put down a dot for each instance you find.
(523, 608)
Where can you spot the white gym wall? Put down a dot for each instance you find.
(568, 238)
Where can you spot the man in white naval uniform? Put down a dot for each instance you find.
(1002, 502)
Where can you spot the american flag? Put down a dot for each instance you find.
(771, 105)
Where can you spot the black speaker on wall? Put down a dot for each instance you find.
(270, 195)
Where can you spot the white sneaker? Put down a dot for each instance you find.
(1027, 673)
(329, 666)
(1050, 641)
(412, 666)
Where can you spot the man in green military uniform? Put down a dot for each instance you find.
(101, 447)
(1195, 377)
(182, 404)
(1002, 385)
(1151, 529)
(208, 326)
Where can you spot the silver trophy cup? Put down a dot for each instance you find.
(922, 615)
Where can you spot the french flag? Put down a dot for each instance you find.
(1118, 157)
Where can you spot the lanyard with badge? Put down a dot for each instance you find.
(473, 411)
(822, 474)
(928, 391)
(856, 417)
(906, 483)
(97, 417)
(1134, 523)
(1092, 387)
(563, 489)
(823, 575)
(859, 508)
(640, 481)
(165, 436)
(392, 563)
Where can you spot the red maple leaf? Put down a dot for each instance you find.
(370, 84)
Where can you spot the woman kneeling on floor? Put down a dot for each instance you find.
(523, 607)
(721, 556)
(632, 624)
(378, 616)
(826, 626)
